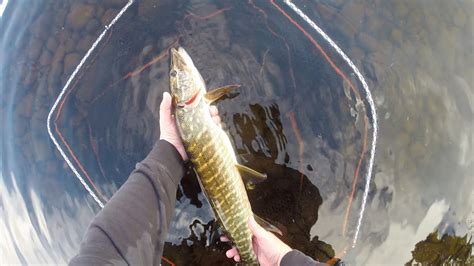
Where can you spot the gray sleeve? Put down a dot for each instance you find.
(133, 225)
(296, 257)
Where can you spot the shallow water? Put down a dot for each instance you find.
(302, 116)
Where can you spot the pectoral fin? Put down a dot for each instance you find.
(215, 94)
(250, 176)
(265, 224)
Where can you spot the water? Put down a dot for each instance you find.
(300, 116)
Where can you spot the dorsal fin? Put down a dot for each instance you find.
(215, 94)
(250, 176)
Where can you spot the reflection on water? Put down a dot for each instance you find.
(295, 118)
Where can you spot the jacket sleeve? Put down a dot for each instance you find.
(132, 227)
(296, 257)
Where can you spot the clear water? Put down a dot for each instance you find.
(302, 116)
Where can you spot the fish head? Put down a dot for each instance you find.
(186, 83)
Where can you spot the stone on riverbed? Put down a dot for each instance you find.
(79, 15)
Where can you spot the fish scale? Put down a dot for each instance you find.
(211, 152)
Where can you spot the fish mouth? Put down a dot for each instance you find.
(180, 60)
(182, 70)
(188, 102)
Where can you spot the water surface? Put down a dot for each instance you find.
(301, 115)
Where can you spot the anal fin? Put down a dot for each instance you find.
(268, 226)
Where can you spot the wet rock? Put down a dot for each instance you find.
(85, 43)
(40, 28)
(115, 3)
(367, 42)
(99, 11)
(357, 53)
(60, 17)
(79, 15)
(34, 49)
(326, 11)
(24, 107)
(42, 91)
(70, 45)
(45, 58)
(354, 13)
(70, 62)
(55, 71)
(108, 16)
(29, 76)
(347, 29)
(92, 26)
(52, 44)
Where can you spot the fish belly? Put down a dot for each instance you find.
(214, 160)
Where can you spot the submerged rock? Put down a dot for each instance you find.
(45, 58)
(79, 15)
(52, 44)
(34, 49)
(92, 26)
(108, 16)
(70, 62)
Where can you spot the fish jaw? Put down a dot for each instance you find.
(186, 83)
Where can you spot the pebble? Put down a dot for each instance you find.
(45, 58)
(34, 49)
(115, 3)
(24, 107)
(85, 43)
(368, 43)
(92, 26)
(70, 62)
(108, 16)
(52, 44)
(40, 28)
(79, 15)
(326, 11)
(354, 13)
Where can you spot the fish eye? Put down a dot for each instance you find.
(173, 73)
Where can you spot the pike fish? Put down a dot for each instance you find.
(212, 154)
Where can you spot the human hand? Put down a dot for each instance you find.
(268, 248)
(169, 129)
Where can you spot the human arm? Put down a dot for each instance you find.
(270, 250)
(132, 226)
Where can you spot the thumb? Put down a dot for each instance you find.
(255, 228)
(165, 106)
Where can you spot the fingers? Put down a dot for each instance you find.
(165, 106)
(215, 115)
(256, 229)
(233, 253)
(217, 120)
(213, 110)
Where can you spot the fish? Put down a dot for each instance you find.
(212, 154)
